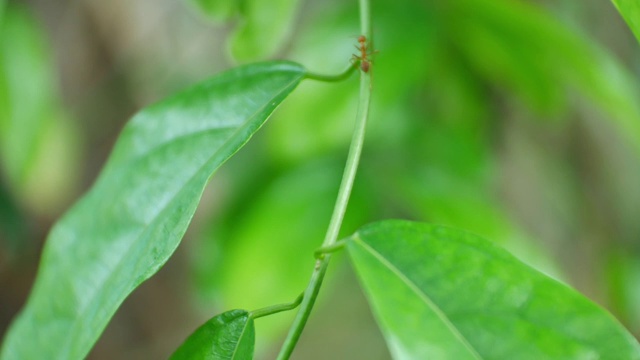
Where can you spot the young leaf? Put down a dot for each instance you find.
(230, 335)
(133, 218)
(630, 10)
(443, 293)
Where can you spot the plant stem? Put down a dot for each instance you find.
(332, 78)
(274, 309)
(321, 265)
(365, 20)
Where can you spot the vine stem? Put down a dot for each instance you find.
(355, 149)
(332, 78)
(274, 309)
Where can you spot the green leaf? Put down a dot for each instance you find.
(228, 336)
(217, 10)
(630, 10)
(443, 293)
(133, 218)
(265, 27)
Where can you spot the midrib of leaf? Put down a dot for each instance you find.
(230, 142)
(411, 285)
(244, 328)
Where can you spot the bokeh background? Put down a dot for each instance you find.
(516, 120)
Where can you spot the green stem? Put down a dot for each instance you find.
(323, 251)
(274, 309)
(332, 78)
(321, 265)
(365, 21)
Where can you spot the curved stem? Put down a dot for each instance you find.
(332, 78)
(321, 265)
(270, 310)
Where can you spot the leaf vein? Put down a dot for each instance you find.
(412, 285)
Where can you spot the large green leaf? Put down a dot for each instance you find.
(228, 336)
(133, 218)
(443, 293)
(630, 10)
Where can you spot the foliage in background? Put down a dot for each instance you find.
(440, 146)
(262, 28)
(433, 152)
(37, 140)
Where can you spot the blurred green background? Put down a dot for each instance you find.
(516, 120)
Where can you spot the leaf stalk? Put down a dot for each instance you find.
(274, 309)
(333, 78)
